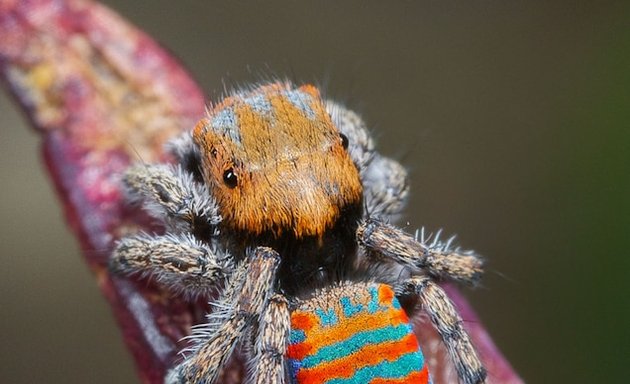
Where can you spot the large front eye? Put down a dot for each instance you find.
(229, 178)
(344, 141)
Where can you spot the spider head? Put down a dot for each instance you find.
(275, 162)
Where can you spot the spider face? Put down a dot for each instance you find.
(268, 199)
(275, 162)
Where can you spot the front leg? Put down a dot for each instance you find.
(242, 303)
(172, 195)
(448, 323)
(268, 365)
(178, 262)
(437, 259)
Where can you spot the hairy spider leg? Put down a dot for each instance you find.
(243, 303)
(268, 360)
(448, 323)
(436, 260)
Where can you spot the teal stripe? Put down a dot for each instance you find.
(297, 336)
(327, 318)
(355, 343)
(406, 364)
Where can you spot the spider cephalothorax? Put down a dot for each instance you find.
(282, 196)
(275, 162)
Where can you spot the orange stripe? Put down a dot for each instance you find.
(303, 320)
(299, 351)
(318, 337)
(421, 377)
(385, 294)
(311, 90)
(366, 356)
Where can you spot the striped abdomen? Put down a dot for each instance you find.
(354, 333)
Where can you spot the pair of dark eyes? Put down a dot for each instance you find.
(231, 180)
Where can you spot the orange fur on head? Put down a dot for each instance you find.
(293, 174)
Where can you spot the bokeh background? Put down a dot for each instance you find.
(512, 118)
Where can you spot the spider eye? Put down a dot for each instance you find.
(344, 141)
(229, 178)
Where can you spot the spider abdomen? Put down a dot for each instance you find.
(354, 333)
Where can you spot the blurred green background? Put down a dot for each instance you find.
(512, 118)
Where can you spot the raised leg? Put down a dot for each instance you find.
(270, 347)
(241, 305)
(179, 262)
(187, 154)
(386, 188)
(171, 194)
(448, 323)
(384, 180)
(360, 143)
(437, 259)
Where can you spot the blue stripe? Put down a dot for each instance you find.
(327, 318)
(355, 343)
(406, 364)
(294, 367)
(301, 101)
(350, 309)
(297, 336)
(395, 303)
(259, 104)
(225, 122)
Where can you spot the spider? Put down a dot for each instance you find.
(280, 202)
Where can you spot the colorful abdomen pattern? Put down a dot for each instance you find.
(354, 334)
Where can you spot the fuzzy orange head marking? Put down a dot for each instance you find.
(276, 163)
